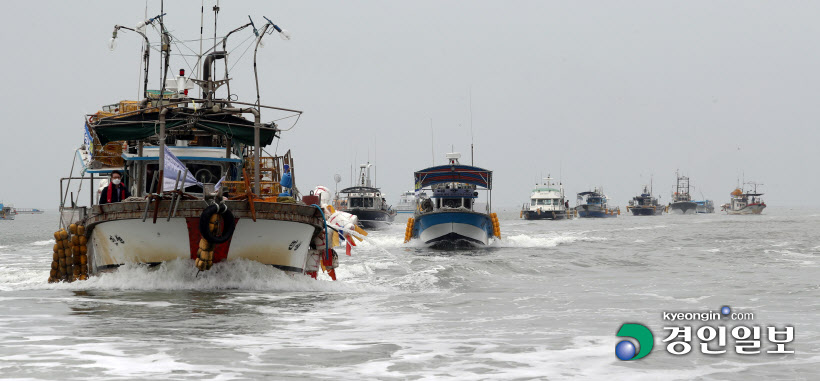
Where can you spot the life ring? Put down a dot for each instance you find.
(229, 224)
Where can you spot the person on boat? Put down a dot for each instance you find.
(116, 191)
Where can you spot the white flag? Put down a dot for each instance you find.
(172, 167)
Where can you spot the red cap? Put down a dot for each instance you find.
(181, 72)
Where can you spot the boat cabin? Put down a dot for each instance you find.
(361, 198)
(453, 186)
(594, 197)
(454, 195)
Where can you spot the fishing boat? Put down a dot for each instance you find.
(7, 212)
(745, 202)
(366, 202)
(681, 200)
(29, 211)
(705, 206)
(645, 204)
(450, 217)
(200, 187)
(546, 202)
(407, 203)
(595, 204)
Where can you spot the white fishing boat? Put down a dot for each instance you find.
(200, 187)
(407, 203)
(743, 202)
(547, 202)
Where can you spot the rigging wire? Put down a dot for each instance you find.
(243, 53)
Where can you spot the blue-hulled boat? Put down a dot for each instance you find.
(449, 217)
(594, 204)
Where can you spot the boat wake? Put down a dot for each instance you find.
(182, 275)
(542, 240)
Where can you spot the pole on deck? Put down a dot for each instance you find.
(257, 152)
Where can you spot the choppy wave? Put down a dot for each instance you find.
(43, 243)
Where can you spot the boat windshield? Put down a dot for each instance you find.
(359, 202)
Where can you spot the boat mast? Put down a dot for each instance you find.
(201, 31)
(166, 49)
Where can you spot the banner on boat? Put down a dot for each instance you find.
(174, 166)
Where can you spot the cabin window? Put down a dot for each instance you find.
(359, 202)
(452, 202)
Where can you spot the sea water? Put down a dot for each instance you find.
(543, 302)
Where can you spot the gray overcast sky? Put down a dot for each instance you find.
(606, 92)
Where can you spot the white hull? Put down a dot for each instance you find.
(751, 209)
(436, 232)
(280, 236)
(281, 243)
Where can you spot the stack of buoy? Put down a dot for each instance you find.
(70, 257)
(58, 264)
(408, 233)
(205, 253)
(496, 225)
(79, 251)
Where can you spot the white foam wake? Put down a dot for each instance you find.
(536, 241)
(182, 275)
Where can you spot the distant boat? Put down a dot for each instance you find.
(595, 204)
(407, 203)
(450, 218)
(366, 202)
(546, 202)
(705, 206)
(645, 204)
(681, 200)
(29, 211)
(745, 202)
(7, 212)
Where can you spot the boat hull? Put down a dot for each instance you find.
(373, 218)
(593, 211)
(280, 236)
(748, 209)
(683, 207)
(647, 211)
(453, 228)
(544, 215)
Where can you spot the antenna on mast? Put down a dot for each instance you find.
(376, 174)
(201, 33)
(472, 149)
(432, 143)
